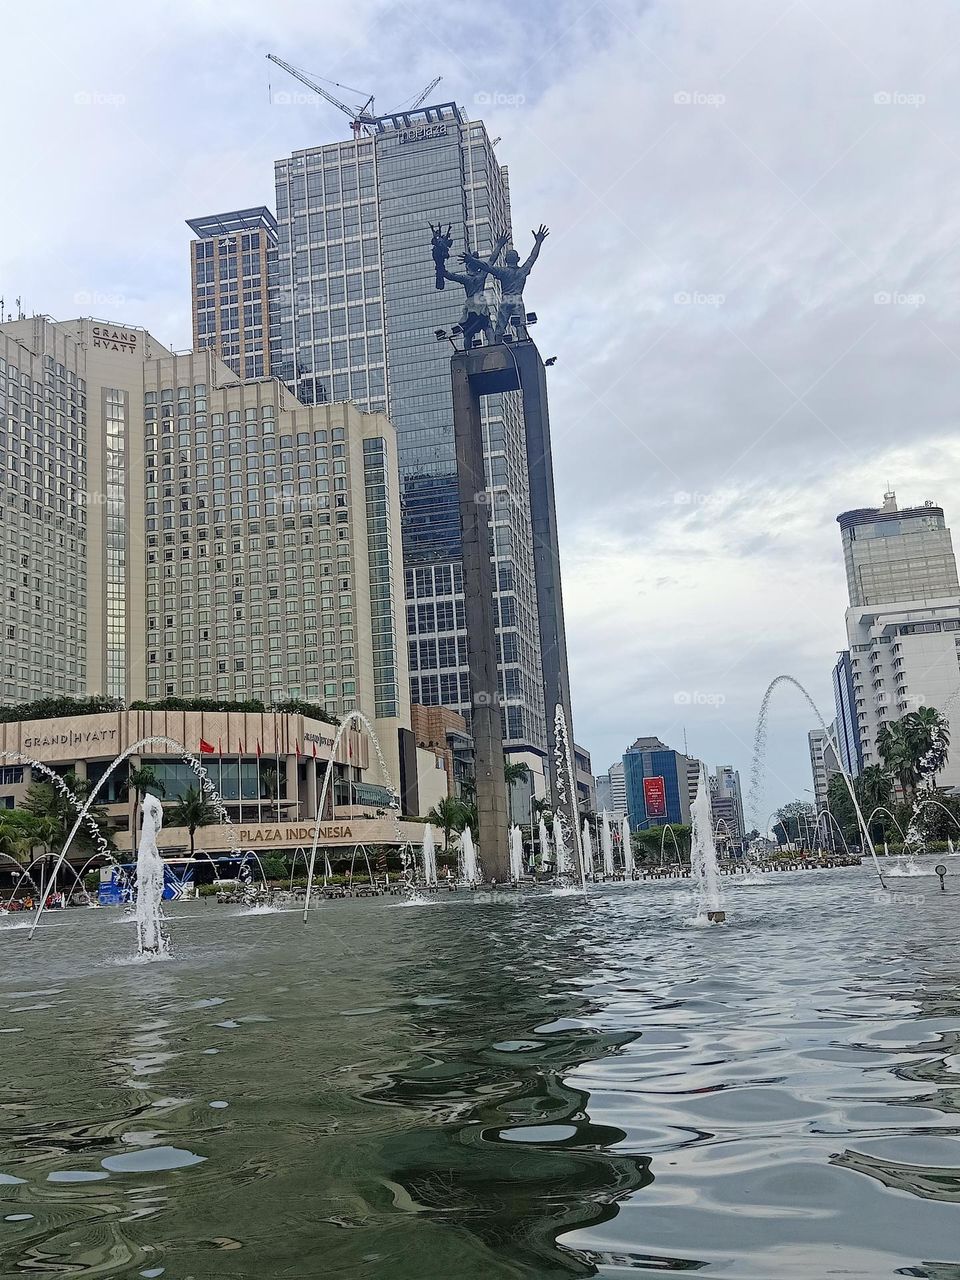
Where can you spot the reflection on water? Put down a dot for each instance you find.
(490, 1089)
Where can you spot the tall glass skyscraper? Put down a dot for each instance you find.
(356, 318)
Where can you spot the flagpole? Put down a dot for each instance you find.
(240, 781)
(276, 743)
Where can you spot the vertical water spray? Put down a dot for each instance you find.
(566, 785)
(150, 936)
(586, 844)
(544, 839)
(469, 869)
(606, 844)
(703, 858)
(627, 844)
(516, 853)
(428, 856)
(561, 852)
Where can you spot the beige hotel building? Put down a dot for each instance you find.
(169, 529)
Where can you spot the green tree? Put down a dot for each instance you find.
(795, 823)
(650, 840)
(140, 781)
(21, 833)
(451, 814)
(193, 810)
(914, 748)
(842, 810)
(515, 772)
(44, 800)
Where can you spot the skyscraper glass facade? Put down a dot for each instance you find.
(357, 314)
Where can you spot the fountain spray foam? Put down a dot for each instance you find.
(703, 858)
(150, 936)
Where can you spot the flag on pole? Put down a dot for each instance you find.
(206, 748)
(220, 746)
(259, 750)
(314, 750)
(299, 753)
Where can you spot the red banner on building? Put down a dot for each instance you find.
(654, 797)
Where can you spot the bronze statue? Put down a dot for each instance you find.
(476, 308)
(512, 277)
(441, 245)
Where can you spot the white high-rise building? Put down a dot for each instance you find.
(903, 624)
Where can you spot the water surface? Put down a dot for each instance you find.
(532, 1087)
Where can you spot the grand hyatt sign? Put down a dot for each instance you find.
(292, 835)
(110, 338)
(70, 738)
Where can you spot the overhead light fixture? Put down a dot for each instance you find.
(550, 360)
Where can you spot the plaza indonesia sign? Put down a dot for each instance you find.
(292, 835)
(655, 797)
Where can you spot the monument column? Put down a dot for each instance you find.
(478, 372)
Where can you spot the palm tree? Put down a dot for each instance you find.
(193, 810)
(515, 772)
(451, 814)
(896, 752)
(140, 781)
(20, 832)
(928, 734)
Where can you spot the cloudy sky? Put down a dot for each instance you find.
(750, 283)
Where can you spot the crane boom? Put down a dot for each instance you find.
(422, 96)
(359, 116)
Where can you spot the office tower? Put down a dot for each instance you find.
(823, 764)
(726, 801)
(359, 313)
(846, 723)
(233, 264)
(618, 789)
(660, 783)
(903, 623)
(892, 555)
(204, 536)
(586, 787)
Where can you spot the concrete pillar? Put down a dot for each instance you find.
(291, 806)
(482, 371)
(313, 789)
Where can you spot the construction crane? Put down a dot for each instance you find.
(361, 118)
(421, 97)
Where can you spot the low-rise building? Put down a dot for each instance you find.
(268, 769)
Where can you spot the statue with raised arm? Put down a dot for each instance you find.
(512, 276)
(441, 244)
(476, 308)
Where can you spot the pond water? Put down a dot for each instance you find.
(519, 1088)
